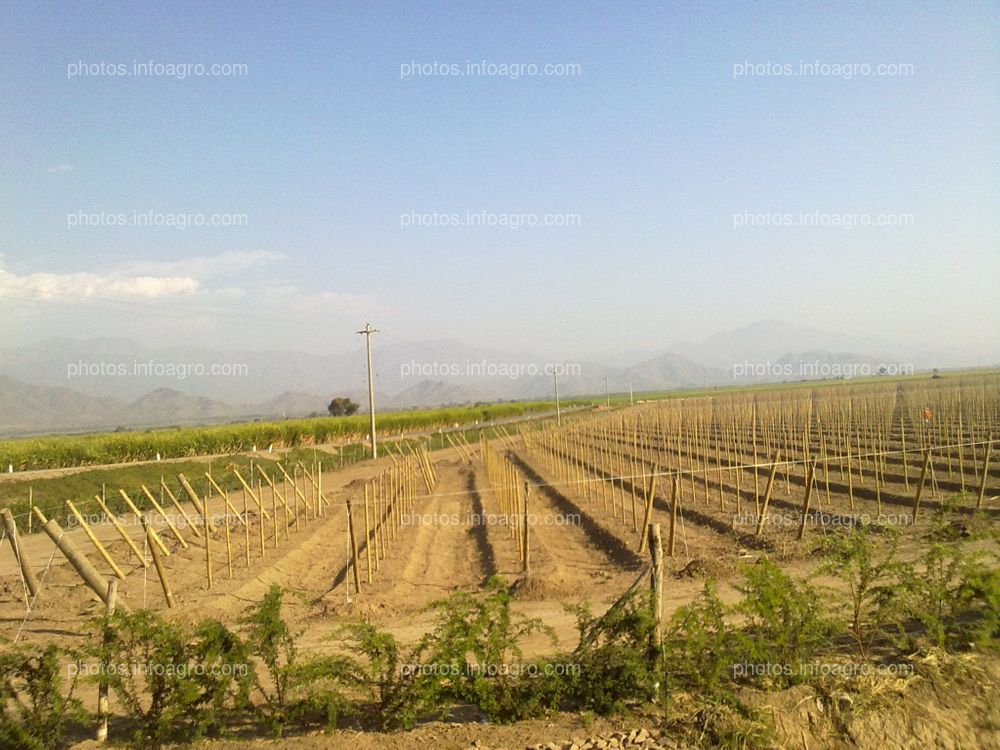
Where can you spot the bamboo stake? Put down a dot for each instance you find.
(200, 506)
(230, 508)
(124, 534)
(139, 515)
(986, 472)
(158, 563)
(656, 581)
(15, 542)
(368, 538)
(93, 539)
(159, 509)
(674, 501)
(805, 501)
(648, 513)
(90, 575)
(920, 485)
(103, 708)
(253, 495)
(354, 549)
(180, 509)
(767, 492)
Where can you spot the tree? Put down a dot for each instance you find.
(342, 407)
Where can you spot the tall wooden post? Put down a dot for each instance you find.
(354, 549)
(920, 485)
(986, 471)
(15, 542)
(767, 492)
(656, 581)
(159, 564)
(103, 709)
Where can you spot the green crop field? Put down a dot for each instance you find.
(52, 452)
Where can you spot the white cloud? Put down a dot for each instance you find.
(61, 169)
(203, 267)
(85, 285)
(292, 298)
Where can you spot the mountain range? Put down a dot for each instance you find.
(63, 384)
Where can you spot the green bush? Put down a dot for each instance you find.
(615, 661)
(35, 708)
(954, 595)
(397, 686)
(163, 675)
(867, 560)
(786, 624)
(700, 649)
(291, 687)
(476, 642)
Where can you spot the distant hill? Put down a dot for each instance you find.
(63, 395)
(28, 408)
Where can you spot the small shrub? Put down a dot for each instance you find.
(476, 640)
(398, 688)
(785, 622)
(150, 667)
(700, 650)
(292, 687)
(868, 563)
(615, 662)
(225, 676)
(955, 596)
(35, 709)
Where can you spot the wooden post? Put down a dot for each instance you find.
(199, 505)
(656, 580)
(254, 495)
(124, 534)
(158, 564)
(354, 549)
(920, 484)
(767, 492)
(93, 539)
(648, 514)
(225, 497)
(368, 537)
(15, 542)
(90, 575)
(246, 527)
(180, 509)
(103, 709)
(674, 507)
(805, 501)
(525, 547)
(138, 514)
(170, 525)
(986, 471)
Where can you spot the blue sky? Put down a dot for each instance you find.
(655, 146)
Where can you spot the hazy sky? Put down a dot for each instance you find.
(677, 145)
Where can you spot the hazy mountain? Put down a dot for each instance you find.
(103, 383)
(672, 371)
(169, 406)
(432, 393)
(767, 341)
(26, 408)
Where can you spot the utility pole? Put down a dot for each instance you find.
(367, 333)
(555, 381)
(607, 393)
(631, 401)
